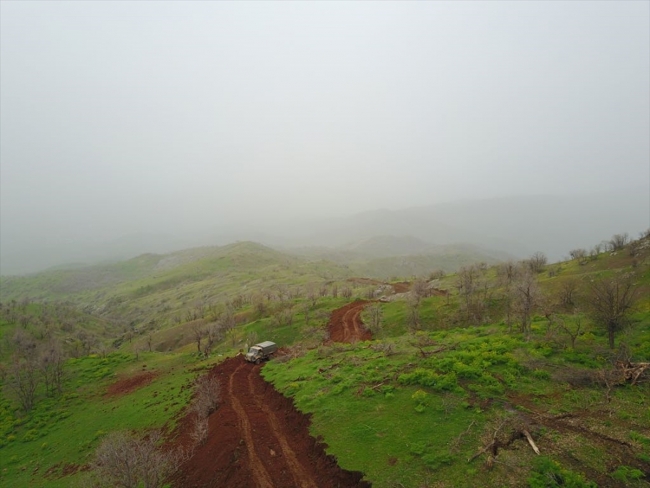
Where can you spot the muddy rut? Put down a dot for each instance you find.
(257, 438)
(345, 324)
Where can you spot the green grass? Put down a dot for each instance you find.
(408, 408)
(67, 429)
(394, 432)
(411, 419)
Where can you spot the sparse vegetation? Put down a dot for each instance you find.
(479, 358)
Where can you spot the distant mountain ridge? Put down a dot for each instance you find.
(516, 226)
(385, 257)
(512, 226)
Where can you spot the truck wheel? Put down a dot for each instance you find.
(257, 361)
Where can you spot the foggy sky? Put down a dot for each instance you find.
(123, 117)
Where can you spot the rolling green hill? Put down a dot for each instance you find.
(458, 373)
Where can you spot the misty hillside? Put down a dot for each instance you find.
(519, 226)
(164, 285)
(498, 228)
(387, 257)
(442, 374)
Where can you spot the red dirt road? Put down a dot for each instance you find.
(257, 438)
(345, 324)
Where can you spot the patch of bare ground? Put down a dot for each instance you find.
(256, 438)
(124, 386)
(345, 324)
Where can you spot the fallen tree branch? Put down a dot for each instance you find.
(632, 371)
(531, 441)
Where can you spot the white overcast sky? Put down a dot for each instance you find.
(119, 117)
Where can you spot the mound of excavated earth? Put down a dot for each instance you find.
(257, 438)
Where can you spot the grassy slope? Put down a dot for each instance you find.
(153, 292)
(406, 420)
(381, 406)
(64, 432)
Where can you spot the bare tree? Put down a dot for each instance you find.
(526, 296)
(595, 251)
(375, 317)
(259, 305)
(51, 366)
(23, 343)
(199, 433)
(227, 319)
(335, 291)
(322, 290)
(207, 394)
(197, 333)
(413, 313)
(610, 304)
(635, 248)
(537, 262)
(567, 293)
(214, 333)
(22, 380)
(420, 288)
(473, 291)
(507, 274)
(437, 274)
(579, 255)
(618, 241)
(306, 310)
(150, 342)
(573, 331)
(312, 295)
(129, 461)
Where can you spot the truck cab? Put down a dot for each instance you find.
(257, 353)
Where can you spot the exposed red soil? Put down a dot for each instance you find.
(257, 438)
(439, 293)
(345, 324)
(401, 287)
(127, 385)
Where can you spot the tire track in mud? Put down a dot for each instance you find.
(345, 324)
(257, 468)
(299, 475)
(256, 438)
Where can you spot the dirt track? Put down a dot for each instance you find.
(345, 324)
(257, 438)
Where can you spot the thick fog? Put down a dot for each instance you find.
(181, 119)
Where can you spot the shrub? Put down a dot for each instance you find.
(436, 461)
(549, 474)
(124, 459)
(207, 394)
(626, 474)
(541, 374)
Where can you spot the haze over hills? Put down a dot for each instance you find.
(502, 227)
